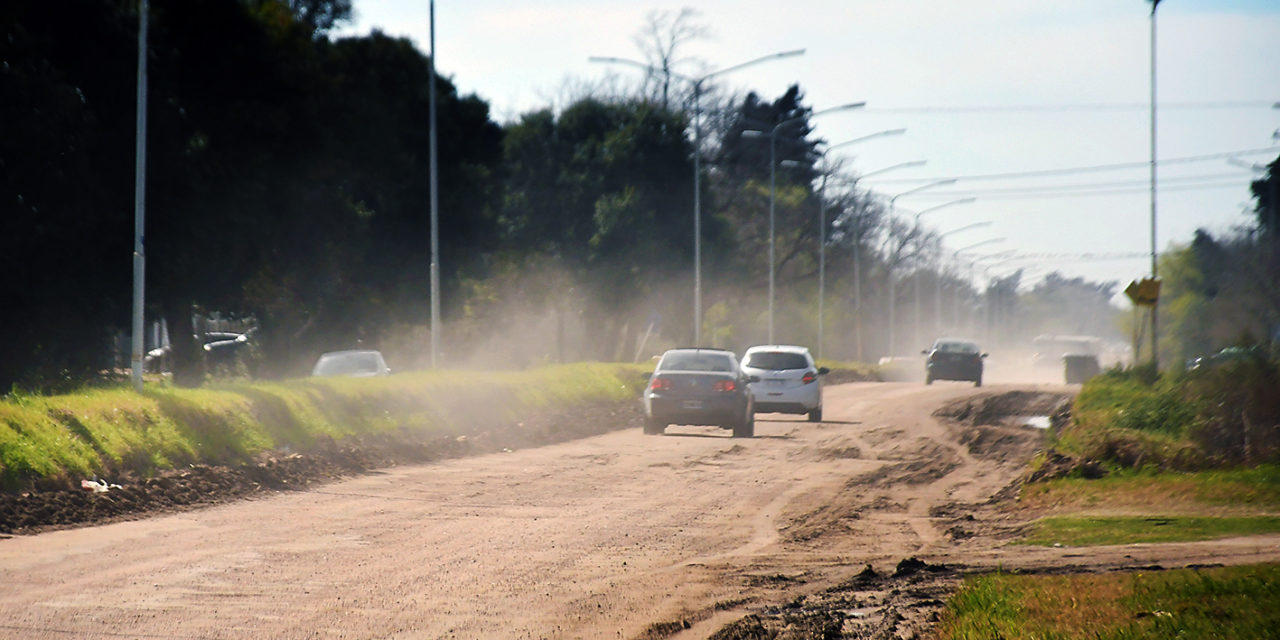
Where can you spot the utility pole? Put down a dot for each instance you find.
(435, 197)
(140, 204)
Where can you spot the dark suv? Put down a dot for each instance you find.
(954, 359)
(699, 386)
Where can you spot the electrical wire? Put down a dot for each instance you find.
(1085, 169)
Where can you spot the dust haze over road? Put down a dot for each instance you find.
(618, 535)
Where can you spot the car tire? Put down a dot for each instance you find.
(746, 427)
(978, 382)
(928, 379)
(653, 427)
(815, 415)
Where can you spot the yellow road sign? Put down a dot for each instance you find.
(1144, 292)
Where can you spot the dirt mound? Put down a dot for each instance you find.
(1002, 408)
(868, 605)
(1060, 465)
(202, 485)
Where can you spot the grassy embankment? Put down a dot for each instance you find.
(56, 439)
(1187, 457)
(1221, 602)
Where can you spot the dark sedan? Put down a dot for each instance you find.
(954, 359)
(699, 387)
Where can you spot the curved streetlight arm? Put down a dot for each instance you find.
(980, 244)
(878, 134)
(774, 56)
(900, 165)
(984, 223)
(936, 183)
(698, 80)
(944, 205)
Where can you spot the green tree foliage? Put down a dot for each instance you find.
(1061, 305)
(605, 190)
(287, 179)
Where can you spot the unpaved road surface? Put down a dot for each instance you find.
(688, 535)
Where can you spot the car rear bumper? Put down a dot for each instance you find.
(699, 411)
(789, 400)
(954, 372)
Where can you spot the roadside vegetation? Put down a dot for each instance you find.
(1222, 602)
(1146, 450)
(54, 440)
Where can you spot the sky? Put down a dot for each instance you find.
(1040, 110)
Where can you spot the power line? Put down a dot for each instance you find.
(1086, 169)
(1047, 108)
(1082, 190)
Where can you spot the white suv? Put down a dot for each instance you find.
(789, 381)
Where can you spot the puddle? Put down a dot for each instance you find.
(1035, 422)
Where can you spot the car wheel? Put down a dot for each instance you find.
(815, 415)
(653, 427)
(978, 382)
(745, 428)
(928, 379)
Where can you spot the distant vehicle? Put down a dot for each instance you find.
(790, 382)
(699, 387)
(354, 363)
(1078, 368)
(1051, 349)
(1227, 355)
(954, 359)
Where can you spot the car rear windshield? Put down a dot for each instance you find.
(777, 360)
(956, 347)
(691, 361)
(341, 364)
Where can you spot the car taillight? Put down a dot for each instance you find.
(660, 384)
(724, 385)
(809, 377)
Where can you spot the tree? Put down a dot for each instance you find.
(603, 189)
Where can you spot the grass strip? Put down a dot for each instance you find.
(1240, 489)
(1221, 602)
(1108, 530)
(109, 431)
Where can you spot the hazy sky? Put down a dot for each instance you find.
(927, 65)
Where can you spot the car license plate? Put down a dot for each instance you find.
(693, 404)
(777, 382)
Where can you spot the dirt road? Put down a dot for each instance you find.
(615, 536)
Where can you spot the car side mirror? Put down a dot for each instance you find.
(924, 352)
(822, 371)
(753, 378)
(985, 355)
(647, 375)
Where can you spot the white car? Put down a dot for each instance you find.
(355, 363)
(789, 381)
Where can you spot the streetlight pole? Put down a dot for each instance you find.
(937, 289)
(435, 196)
(893, 293)
(140, 206)
(915, 285)
(1155, 306)
(697, 154)
(857, 260)
(822, 233)
(773, 163)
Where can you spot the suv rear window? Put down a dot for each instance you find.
(777, 360)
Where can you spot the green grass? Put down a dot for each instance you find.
(109, 431)
(1251, 490)
(1224, 602)
(1079, 531)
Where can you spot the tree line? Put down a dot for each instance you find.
(287, 186)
